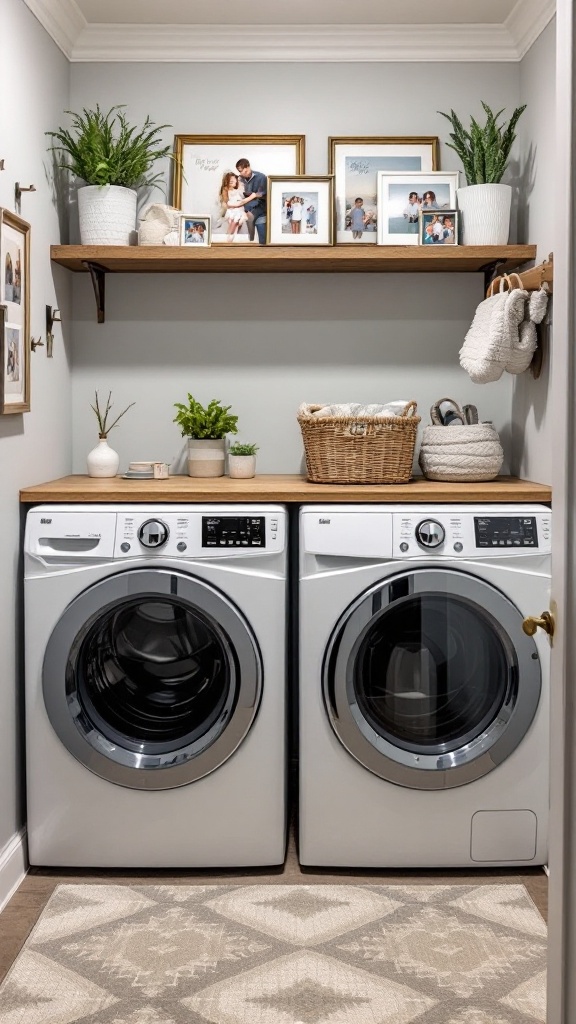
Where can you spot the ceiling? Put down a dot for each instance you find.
(294, 30)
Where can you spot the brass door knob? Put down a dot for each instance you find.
(545, 622)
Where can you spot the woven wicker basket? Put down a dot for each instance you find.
(371, 450)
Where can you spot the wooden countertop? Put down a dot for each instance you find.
(279, 488)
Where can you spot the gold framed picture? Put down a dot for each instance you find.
(355, 164)
(301, 210)
(225, 177)
(15, 313)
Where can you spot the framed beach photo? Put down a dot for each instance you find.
(301, 210)
(194, 230)
(438, 227)
(402, 197)
(215, 176)
(15, 318)
(355, 164)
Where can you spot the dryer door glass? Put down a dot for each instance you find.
(429, 680)
(152, 678)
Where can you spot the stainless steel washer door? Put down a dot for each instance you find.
(429, 680)
(152, 678)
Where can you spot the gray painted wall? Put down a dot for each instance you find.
(34, 446)
(266, 343)
(532, 417)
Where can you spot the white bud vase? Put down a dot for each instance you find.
(103, 460)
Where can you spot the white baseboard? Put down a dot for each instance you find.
(13, 866)
(546, 870)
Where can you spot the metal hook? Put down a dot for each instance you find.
(18, 190)
(2, 168)
(36, 344)
(52, 317)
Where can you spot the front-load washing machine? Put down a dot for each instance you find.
(423, 703)
(155, 685)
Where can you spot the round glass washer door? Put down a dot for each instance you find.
(152, 678)
(429, 680)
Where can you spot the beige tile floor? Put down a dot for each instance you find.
(25, 907)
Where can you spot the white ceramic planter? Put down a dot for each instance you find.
(206, 457)
(241, 467)
(107, 214)
(103, 460)
(485, 213)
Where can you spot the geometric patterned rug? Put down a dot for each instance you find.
(281, 954)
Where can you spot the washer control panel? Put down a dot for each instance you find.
(235, 531)
(506, 531)
(460, 532)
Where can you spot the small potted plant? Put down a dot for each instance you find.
(484, 151)
(103, 460)
(206, 429)
(242, 461)
(114, 159)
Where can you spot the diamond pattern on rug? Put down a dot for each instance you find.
(308, 988)
(281, 954)
(301, 914)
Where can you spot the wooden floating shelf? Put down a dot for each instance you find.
(281, 488)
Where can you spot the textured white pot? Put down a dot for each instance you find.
(103, 460)
(206, 456)
(485, 214)
(242, 467)
(107, 214)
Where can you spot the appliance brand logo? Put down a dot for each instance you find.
(324, 522)
(45, 522)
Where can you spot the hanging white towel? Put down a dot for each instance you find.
(486, 348)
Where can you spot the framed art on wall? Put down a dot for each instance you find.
(403, 197)
(15, 315)
(225, 177)
(355, 164)
(301, 210)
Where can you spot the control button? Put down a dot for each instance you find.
(181, 545)
(404, 546)
(458, 546)
(125, 546)
(274, 524)
(153, 533)
(430, 534)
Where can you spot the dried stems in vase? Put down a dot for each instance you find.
(102, 417)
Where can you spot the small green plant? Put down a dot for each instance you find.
(483, 150)
(212, 422)
(242, 449)
(103, 149)
(102, 417)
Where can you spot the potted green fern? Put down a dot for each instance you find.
(484, 151)
(206, 429)
(242, 461)
(114, 159)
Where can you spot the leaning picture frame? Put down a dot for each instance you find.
(438, 227)
(300, 210)
(208, 183)
(402, 197)
(15, 317)
(355, 163)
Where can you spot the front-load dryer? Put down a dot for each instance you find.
(423, 703)
(155, 685)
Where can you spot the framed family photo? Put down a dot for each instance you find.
(403, 197)
(225, 177)
(301, 210)
(14, 313)
(356, 163)
(438, 228)
(194, 231)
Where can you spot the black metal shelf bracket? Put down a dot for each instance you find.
(490, 271)
(98, 276)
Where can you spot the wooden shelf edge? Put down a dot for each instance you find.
(283, 488)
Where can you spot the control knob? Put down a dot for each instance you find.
(153, 533)
(430, 534)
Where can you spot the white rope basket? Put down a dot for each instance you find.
(471, 452)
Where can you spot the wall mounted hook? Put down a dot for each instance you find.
(36, 344)
(52, 317)
(2, 168)
(18, 190)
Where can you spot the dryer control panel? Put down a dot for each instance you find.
(236, 531)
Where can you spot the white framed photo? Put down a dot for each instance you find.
(301, 210)
(195, 230)
(402, 198)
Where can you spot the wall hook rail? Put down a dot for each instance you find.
(540, 276)
(98, 276)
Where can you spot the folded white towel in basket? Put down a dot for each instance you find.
(357, 410)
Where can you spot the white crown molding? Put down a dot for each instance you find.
(62, 20)
(527, 21)
(90, 42)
